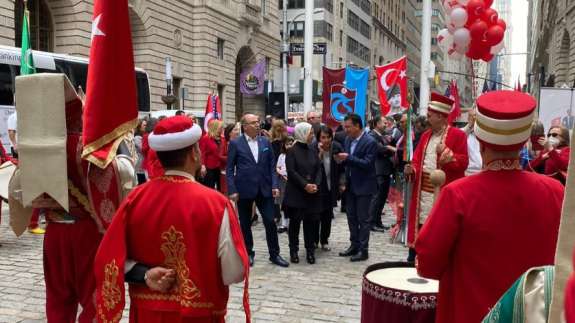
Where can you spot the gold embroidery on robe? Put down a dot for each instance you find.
(175, 180)
(111, 294)
(174, 249)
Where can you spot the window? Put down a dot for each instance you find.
(268, 67)
(296, 29)
(357, 49)
(341, 10)
(221, 44)
(40, 25)
(296, 4)
(322, 29)
(365, 5)
(177, 84)
(358, 24)
(326, 4)
(264, 11)
(341, 37)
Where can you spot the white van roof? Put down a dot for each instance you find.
(45, 60)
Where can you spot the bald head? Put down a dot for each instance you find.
(250, 124)
(313, 118)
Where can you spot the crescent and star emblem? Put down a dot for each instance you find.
(384, 76)
(96, 31)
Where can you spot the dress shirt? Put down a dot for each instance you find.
(475, 160)
(253, 143)
(354, 143)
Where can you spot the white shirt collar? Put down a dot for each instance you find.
(248, 138)
(173, 172)
(358, 138)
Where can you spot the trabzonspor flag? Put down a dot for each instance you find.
(356, 79)
(344, 91)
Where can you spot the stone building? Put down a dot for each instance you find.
(550, 42)
(208, 41)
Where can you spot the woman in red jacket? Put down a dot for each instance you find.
(554, 158)
(212, 154)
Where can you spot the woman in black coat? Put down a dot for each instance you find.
(302, 201)
(333, 177)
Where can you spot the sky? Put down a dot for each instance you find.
(519, 12)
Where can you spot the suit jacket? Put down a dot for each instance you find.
(360, 166)
(245, 175)
(383, 161)
(303, 167)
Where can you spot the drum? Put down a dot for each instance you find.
(393, 292)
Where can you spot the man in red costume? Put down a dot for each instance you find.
(176, 223)
(441, 147)
(486, 230)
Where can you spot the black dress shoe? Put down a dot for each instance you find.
(282, 229)
(349, 252)
(360, 256)
(377, 229)
(251, 258)
(294, 258)
(278, 260)
(310, 258)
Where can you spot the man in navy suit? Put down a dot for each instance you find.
(251, 177)
(361, 185)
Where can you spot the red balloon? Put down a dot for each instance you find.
(488, 3)
(478, 30)
(475, 9)
(478, 50)
(494, 35)
(490, 16)
(502, 24)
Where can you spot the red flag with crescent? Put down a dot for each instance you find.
(111, 109)
(390, 78)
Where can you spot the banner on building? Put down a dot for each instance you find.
(356, 79)
(392, 85)
(557, 108)
(252, 79)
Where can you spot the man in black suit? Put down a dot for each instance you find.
(251, 177)
(383, 169)
(361, 185)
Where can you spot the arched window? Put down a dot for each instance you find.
(41, 31)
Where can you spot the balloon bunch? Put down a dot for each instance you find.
(473, 29)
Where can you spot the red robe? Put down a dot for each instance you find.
(456, 141)
(556, 165)
(485, 231)
(171, 222)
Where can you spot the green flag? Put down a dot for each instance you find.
(26, 60)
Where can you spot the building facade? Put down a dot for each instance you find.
(344, 26)
(388, 41)
(551, 29)
(208, 42)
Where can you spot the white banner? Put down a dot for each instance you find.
(557, 108)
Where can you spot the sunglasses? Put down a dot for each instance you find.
(552, 135)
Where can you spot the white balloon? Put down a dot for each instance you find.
(462, 37)
(453, 54)
(497, 48)
(463, 2)
(449, 5)
(461, 49)
(459, 17)
(445, 41)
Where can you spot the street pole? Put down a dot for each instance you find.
(285, 51)
(425, 57)
(168, 80)
(308, 57)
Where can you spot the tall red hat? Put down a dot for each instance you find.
(504, 119)
(174, 133)
(440, 103)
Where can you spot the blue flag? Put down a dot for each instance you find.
(357, 79)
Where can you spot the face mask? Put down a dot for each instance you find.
(553, 141)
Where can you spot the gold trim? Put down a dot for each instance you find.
(82, 199)
(170, 178)
(174, 249)
(168, 297)
(115, 134)
(441, 106)
(504, 132)
(111, 294)
(503, 164)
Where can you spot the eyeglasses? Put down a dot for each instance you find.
(552, 135)
(253, 123)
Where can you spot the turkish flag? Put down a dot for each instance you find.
(111, 109)
(388, 77)
(331, 78)
(456, 110)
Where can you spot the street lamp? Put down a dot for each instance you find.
(169, 98)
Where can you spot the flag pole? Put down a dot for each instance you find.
(308, 57)
(425, 57)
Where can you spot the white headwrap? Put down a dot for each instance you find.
(301, 132)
